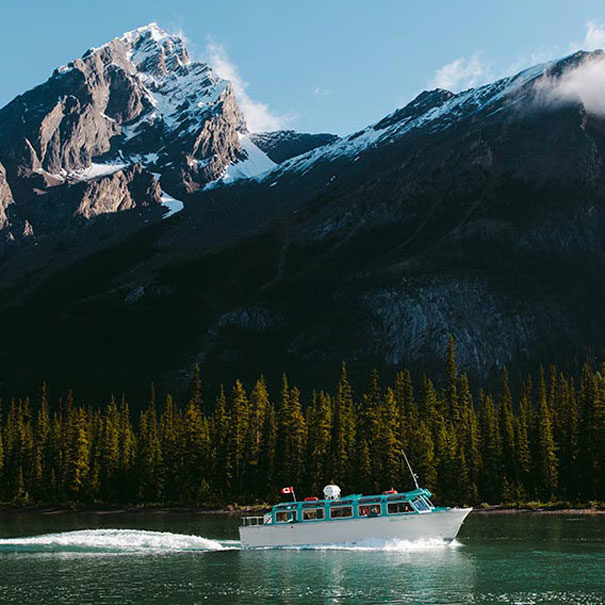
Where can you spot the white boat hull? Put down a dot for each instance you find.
(439, 524)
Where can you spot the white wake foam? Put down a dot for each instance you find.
(111, 541)
(125, 541)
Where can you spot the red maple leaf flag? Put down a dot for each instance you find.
(287, 490)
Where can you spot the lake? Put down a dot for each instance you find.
(194, 558)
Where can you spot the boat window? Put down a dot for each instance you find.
(420, 504)
(313, 514)
(339, 512)
(397, 508)
(285, 516)
(368, 510)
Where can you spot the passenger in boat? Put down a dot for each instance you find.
(374, 510)
(364, 511)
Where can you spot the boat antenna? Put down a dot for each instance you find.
(414, 475)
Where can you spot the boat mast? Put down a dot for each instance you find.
(414, 475)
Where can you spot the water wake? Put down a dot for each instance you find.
(131, 541)
(112, 541)
(395, 545)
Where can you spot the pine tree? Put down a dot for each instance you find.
(547, 459)
(449, 471)
(507, 430)
(223, 469)
(291, 435)
(240, 416)
(78, 449)
(196, 395)
(196, 448)
(127, 441)
(385, 444)
(41, 464)
(319, 440)
(404, 397)
(490, 484)
(149, 458)
(259, 409)
(268, 454)
(344, 432)
(421, 452)
(170, 440)
(451, 395)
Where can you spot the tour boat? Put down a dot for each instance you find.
(352, 519)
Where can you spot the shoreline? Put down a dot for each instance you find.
(251, 510)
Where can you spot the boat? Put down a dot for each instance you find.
(351, 519)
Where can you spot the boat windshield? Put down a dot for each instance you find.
(420, 504)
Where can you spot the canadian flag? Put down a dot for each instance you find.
(287, 490)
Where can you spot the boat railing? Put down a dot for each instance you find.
(252, 521)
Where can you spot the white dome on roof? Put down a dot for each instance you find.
(331, 492)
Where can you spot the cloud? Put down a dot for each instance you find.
(593, 40)
(462, 73)
(584, 82)
(259, 117)
(321, 92)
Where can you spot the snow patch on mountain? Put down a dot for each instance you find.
(172, 204)
(93, 171)
(254, 163)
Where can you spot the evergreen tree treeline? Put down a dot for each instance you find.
(549, 444)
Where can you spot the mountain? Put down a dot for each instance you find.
(478, 214)
(138, 100)
(83, 154)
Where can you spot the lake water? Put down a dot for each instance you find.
(193, 558)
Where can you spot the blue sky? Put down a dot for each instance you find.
(330, 65)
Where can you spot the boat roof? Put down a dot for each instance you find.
(356, 497)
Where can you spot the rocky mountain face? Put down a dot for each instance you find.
(478, 214)
(6, 198)
(138, 100)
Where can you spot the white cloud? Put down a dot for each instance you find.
(593, 40)
(259, 116)
(321, 92)
(585, 83)
(462, 73)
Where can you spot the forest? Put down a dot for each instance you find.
(546, 445)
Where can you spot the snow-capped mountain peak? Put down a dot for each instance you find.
(437, 110)
(138, 98)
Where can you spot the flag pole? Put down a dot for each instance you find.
(293, 495)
